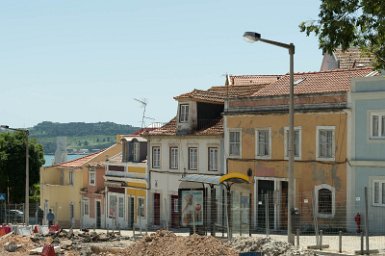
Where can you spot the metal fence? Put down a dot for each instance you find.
(14, 214)
(321, 220)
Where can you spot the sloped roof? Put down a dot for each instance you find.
(169, 129)
(218, 94)
(352, 58)
(316, 82)
(79, 162)
(252, 79)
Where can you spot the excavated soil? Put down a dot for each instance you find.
(160, 243)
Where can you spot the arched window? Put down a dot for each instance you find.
(325, 201)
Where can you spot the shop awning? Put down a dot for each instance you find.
(234, 177)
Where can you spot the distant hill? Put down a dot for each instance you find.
(80, 135)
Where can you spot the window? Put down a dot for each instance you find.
(379, 192)
(112, 206)
(70, 178)
(213, 159)
(183, 113)
(377, 122)
(235, 143)
(121, 207)
(91, 178)
(263, 143)
(325, 143)
(156, 157)
(175, 204)
(325, 201)
(135, 151)
(173, 158)
(85, 207)
(297, 142)
(192, 158)
(141, 206)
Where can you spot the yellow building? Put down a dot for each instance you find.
(126, 185)
(256, 135)
(61, 186)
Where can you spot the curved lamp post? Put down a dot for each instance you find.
(26, 133)
(255, 37)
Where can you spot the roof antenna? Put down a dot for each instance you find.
(144, 105)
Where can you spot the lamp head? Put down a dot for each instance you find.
(251, 37)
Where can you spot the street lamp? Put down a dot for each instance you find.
(26, 133)
(254, 37)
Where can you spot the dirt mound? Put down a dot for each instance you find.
(25, 243)
(268, 246)
(166, 243)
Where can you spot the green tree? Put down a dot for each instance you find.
(12, 164)
(346, 23)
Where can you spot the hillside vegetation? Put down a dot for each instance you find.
(79, 135)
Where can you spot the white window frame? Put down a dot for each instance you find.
(235, 144)
(333, 192)
(299, 142)
(183, 112)
(92, 177)
(114, 207)
(213, 159)
(174, 158)
(176, 205)
(135, 151)
(381, 194)
(86, 207)
(328, 128)
(257, 153)
(141, 211)
(380, 115)
(193, 159)
(155, 155)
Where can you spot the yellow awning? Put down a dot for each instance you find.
(234, 177)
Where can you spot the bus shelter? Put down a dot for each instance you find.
(227, 180)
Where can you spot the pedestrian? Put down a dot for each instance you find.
(50, 217)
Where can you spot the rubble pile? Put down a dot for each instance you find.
(166, 243)
(268, 246)
(17, 245)
(68, 243)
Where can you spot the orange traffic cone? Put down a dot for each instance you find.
(48, 250)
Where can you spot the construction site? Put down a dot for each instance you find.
(39, 240)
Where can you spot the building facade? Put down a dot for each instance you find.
(366, 153)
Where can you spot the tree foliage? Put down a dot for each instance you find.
(12, 164)
(347, 23)
(51, 129)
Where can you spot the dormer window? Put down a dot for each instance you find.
(183, 113)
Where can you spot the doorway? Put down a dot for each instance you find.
(156, 209)
(265, 192)
(98, 215)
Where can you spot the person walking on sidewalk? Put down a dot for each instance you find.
(50, 217)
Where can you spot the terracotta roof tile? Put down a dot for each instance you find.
(352, 58)
(215, 127)
(79, 162)
(218, 94)
(315, 82)
(253, 79)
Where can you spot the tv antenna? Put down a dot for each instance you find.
(144, 105)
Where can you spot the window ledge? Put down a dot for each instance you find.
(325, 215)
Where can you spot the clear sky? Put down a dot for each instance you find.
(86, 61)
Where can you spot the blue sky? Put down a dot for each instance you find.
(86, 61)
